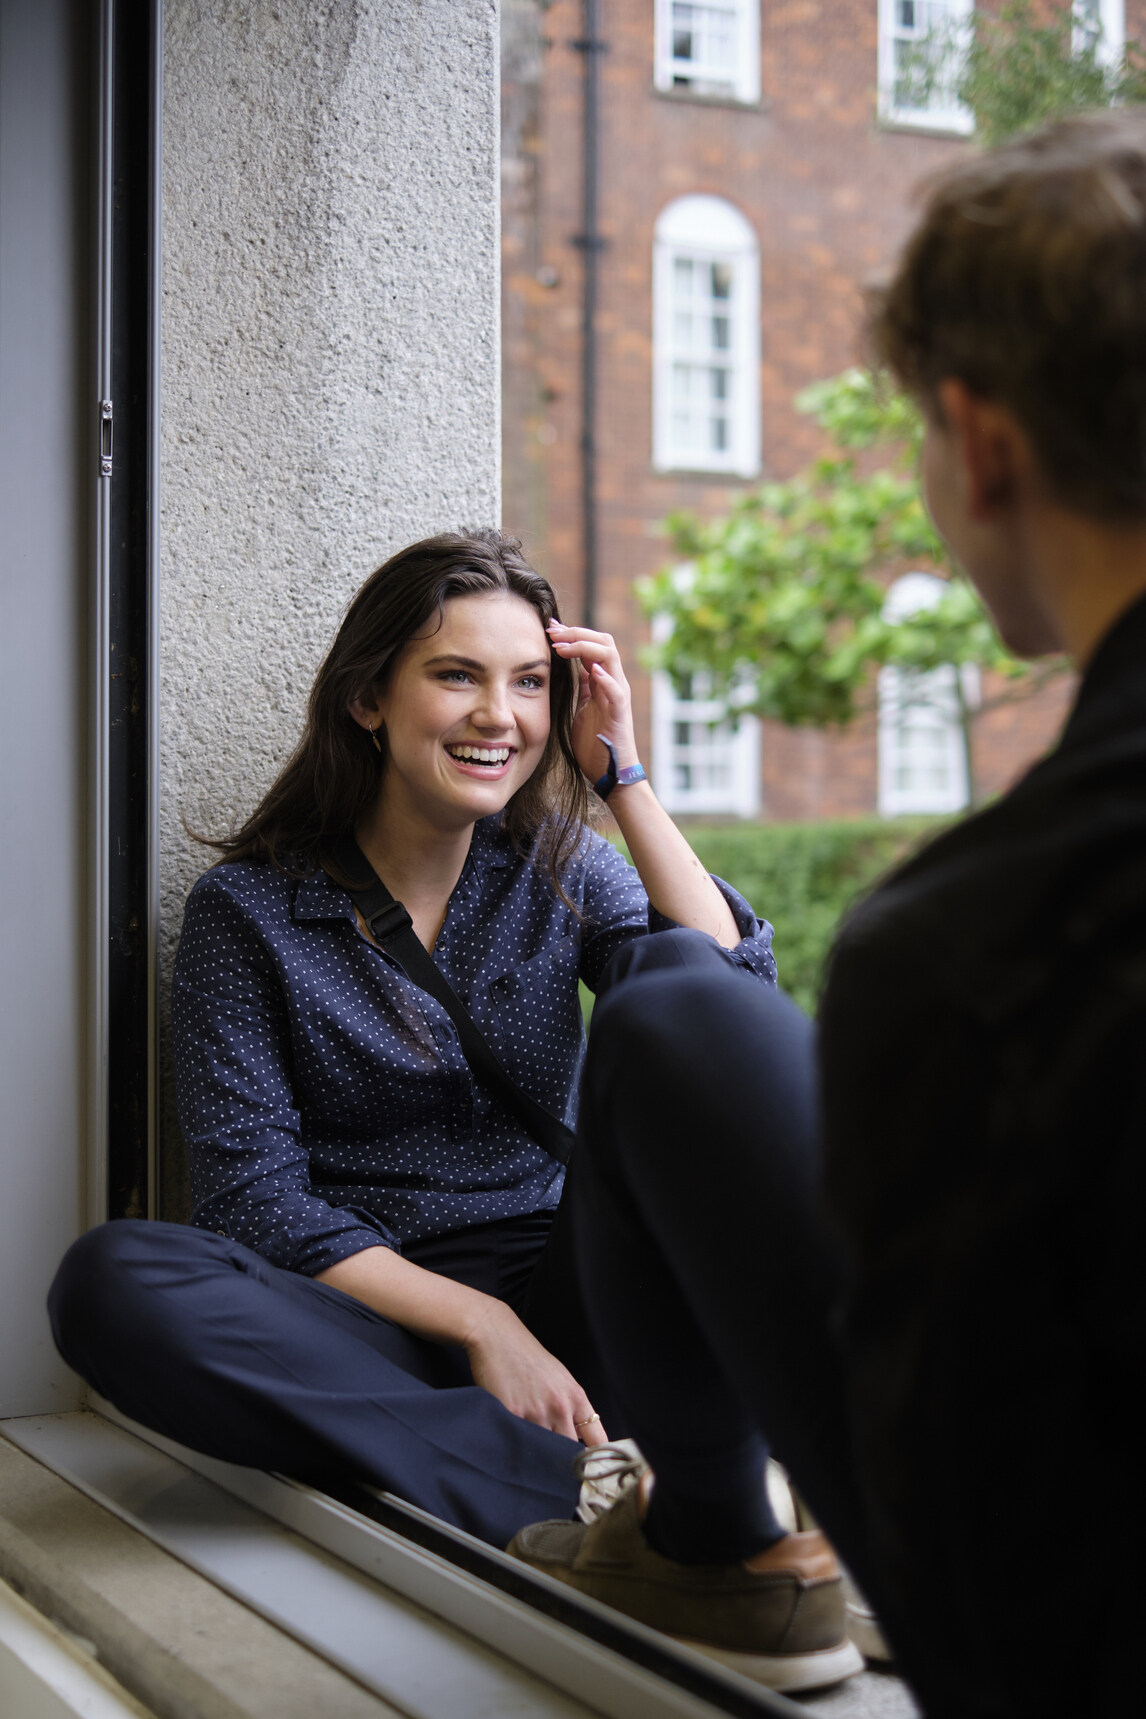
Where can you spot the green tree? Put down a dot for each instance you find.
(1023, 68)
(781, 605)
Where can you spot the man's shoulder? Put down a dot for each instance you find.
(992, 908)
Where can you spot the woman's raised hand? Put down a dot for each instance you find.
(507, 1360)
(605, 704)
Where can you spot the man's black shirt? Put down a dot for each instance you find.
(984, 1064)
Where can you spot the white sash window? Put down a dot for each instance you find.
(921, 48)
(706, 339)
(711, 47)
(922, 758)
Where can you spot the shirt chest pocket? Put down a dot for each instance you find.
(540, 1033)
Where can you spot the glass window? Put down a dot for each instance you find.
(1101, 23)
(921, 46)
(706, 406)
(702, 761)
(711, 47)
(922, 758)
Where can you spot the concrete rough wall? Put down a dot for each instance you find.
(330, 360)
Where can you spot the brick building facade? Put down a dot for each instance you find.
(817, 163)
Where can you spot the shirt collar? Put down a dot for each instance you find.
(317, 897)
(1112, 697)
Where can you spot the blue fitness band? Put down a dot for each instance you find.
(614, 778)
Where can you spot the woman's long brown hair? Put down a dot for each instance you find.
(331, 779)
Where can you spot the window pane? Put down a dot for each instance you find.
(702, 333)
(704, 40)
(928, 39)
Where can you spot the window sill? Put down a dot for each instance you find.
(922, 127)
(698, 98)
(719, 474)
(414, 1612)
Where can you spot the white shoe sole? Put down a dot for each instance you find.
(786, 1671)
(864, 1630)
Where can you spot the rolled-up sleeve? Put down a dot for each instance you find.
(616, 909)
(250, 1173)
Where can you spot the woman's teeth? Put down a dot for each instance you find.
(480, 754)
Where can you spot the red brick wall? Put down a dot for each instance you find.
(828, 193)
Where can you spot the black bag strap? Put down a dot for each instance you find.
(391, 928)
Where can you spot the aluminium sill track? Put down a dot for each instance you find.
(499, 1638)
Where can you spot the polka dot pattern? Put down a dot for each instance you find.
(324, 1099)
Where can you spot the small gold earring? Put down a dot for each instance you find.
(373, 733)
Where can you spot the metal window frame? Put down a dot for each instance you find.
(121, 1169)
(591, 1653)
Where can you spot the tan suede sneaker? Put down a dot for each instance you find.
(782, 1622)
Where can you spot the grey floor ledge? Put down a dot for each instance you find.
(159, 1570)
(174, 1640)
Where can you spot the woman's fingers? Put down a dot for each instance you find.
(508, 1361)
(606, 688)
(589, 651)
(590, 1431)
(585, 645)
(558, 631)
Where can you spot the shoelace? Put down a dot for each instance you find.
(605, 1472)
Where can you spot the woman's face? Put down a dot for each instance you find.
(466, 710)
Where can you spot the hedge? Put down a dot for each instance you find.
(804, 877)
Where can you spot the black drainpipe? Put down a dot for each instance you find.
(591, 47)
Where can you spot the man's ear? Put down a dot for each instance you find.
(993, 449)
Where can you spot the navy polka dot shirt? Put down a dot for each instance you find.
(324, 1098)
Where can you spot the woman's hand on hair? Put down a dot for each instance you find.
(507, 1360)
(604, 703)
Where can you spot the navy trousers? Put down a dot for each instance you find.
(198, 1337)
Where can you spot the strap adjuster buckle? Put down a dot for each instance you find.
(388, 921)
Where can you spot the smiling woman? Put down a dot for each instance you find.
(378, 1279)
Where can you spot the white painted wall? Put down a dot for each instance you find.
(47, 480)
(330, 357)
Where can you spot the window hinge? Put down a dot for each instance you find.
(105, 427)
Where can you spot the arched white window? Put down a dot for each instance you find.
(709, 47)
(921, 49)
(702, 762)
(706, 339)
(922, 759)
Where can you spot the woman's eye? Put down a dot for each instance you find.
(531, 682)
(453, 675)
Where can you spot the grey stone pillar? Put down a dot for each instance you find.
(330, 359)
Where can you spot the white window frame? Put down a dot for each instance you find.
(1111, 14)
(733, 749)
(942, 115)
(707, 230)
(935, 694)
(739, 81)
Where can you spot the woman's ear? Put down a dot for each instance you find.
(366, 715)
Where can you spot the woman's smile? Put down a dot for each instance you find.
(489, 763)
